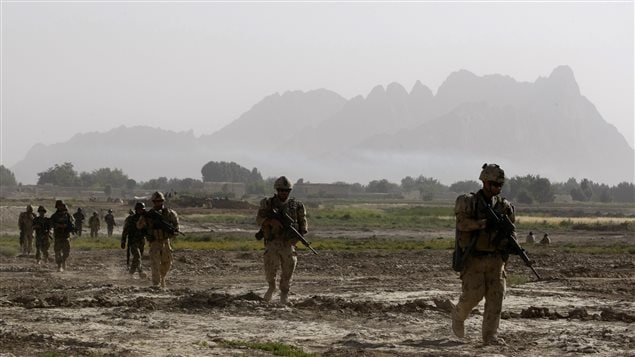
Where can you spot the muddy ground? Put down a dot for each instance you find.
(368, 303)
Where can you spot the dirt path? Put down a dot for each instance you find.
(343, 303)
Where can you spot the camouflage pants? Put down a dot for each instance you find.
(160, 260)
(42, 244)
(26, 241)
(62, 248)
(110, 228)
(136, 250)
(94, 231)
(80, 228)
(483, 277)
(279, 253)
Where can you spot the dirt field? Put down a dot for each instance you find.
(368, 303)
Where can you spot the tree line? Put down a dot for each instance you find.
(523, 189)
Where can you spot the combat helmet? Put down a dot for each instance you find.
(58, 203)
(282, 183)
(139, 205)
(41, 209)
(492, 172)
(29, 208)
(157, 196)
(110, 210)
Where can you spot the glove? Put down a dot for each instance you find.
(123, 245)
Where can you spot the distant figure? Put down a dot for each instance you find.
(42, 227)
(63, 226)
(94, 224)
(79, 221)
(110, 222)
(545, 240)
(531, 238)
(135, 238)
(25, 223)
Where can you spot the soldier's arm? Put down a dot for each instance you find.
(261, 217)
(464, 214)
(303, 226)
(174, 218)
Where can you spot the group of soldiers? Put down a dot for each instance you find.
(157, 225)
(531, 239)
(61, 223)
(482, 274)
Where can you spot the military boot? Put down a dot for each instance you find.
(270, 291)
(458, 326)
(284, 297)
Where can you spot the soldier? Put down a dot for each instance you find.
(25, 223)
(79, 220)
(545, 240)
(135, 238)
(63, 226)
(42, 227)
(483, 274)
(94, 224)
(279, 243)
(531, 238)
(162, 224)
(110, 222)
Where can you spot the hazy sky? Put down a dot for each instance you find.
(70, 67)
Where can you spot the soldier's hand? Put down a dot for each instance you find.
(123, 245)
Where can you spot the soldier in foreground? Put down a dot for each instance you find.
(162, 225)
(135, 238)
(42, 227)
(94, 224)
(280, 243)
(63, 226)
(25, 223)
(483, 270)
(110, 222)
(79, 221)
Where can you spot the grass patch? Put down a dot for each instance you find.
(9, 251)
(595, 250)
(276, 348)
(517, 279)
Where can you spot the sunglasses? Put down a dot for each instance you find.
(284, 190)
(496, 184)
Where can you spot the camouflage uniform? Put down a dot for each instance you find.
(25, 223)
(279, 243)
(159, 238)
(136, 241)
(79, 221)
(42, 227)
(94, 224)
(110, 222)
(484, 272)
(545, 240)
(531, 238)
(63, 225)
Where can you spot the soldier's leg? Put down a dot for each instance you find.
(79, 230)
(57, 248)
(38, 248)
(271, 259)
(29, 242)
(288, 263)
(155, 262)
(66, 250)
(495, 284)
(46, 244)
(166, 261)
(22, 247)
(473, 290)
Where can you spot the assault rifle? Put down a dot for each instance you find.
(287, 224)
(159, 223)
(506, 230)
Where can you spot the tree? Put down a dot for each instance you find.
(7, 178)
(60, 175)
(131, 184)
(382, 186)
(465, 186)
(623, 192)
(108, 190)
(541, 190)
